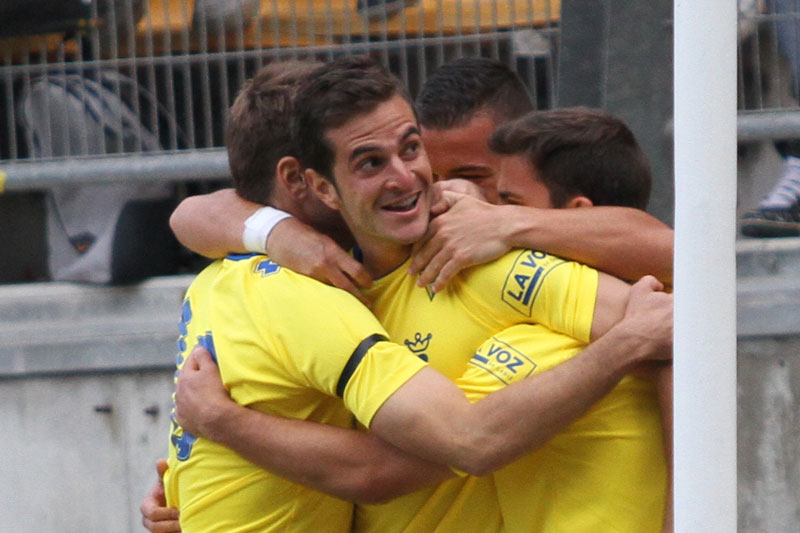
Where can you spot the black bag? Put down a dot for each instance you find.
(30, 17)
(34, 17)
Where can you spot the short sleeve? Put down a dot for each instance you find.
(284, 331)
(527, 286)
(512, 355)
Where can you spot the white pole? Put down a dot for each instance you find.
(705, 269)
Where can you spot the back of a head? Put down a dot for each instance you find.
(258, 132)
(580, 152)
(457, 90)
(338, 92)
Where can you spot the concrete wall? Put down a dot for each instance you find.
(769, 434)
(85, 395)
(79, 451)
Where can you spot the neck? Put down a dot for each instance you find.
(380, 260)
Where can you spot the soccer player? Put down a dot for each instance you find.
(606, 471)
(432, 432)
(381, 205)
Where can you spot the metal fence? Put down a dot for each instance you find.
(101, 90)
(769, 69)
(146, 83)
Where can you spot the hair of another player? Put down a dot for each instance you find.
(258, 131)
(580, 152)
(338, 92)
(457, 90)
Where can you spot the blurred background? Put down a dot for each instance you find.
(111, 111)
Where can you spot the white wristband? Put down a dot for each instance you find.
(258, 227)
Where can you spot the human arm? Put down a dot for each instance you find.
(625, 242)
(346, 463)
(479, 438)
(156, 516)
(428, 416)
(213, 224)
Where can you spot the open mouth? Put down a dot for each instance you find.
(403, 205)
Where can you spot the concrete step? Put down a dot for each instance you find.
(64, 327)
(768, 288)
(59, 300)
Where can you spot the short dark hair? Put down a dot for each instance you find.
(580, 152)
(459, 89)
(337, 92)
(258, 132)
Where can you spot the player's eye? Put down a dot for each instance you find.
(370, 163)
(411, 148)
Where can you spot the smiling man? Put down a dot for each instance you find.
(370, 166)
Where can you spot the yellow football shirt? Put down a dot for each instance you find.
(287, 345)
(605, 472)
(444, 329)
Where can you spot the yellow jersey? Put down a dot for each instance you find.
(286, 345)
(605, 472)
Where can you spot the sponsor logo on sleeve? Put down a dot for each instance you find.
(526, 277)
(503, 361)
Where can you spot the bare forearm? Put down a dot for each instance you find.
(625, 242)
(212, 224)
(345, 463)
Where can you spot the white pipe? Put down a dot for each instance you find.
(705, 270)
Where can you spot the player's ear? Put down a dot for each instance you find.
(322, 188)
(579, 201)
(290, 173)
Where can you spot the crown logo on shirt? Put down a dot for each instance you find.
(419, 344)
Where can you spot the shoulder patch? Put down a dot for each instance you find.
(503, 361)
(267, 267)
(525, 279)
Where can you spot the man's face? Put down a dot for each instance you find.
(463, 152)
(520, 183)
(382, 175)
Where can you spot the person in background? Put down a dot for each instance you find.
(778, 213)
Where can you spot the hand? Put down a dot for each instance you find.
(303, 249)
(471, 232)
(648, 318)
(200, 397)
(447, 191)
(156, 516)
